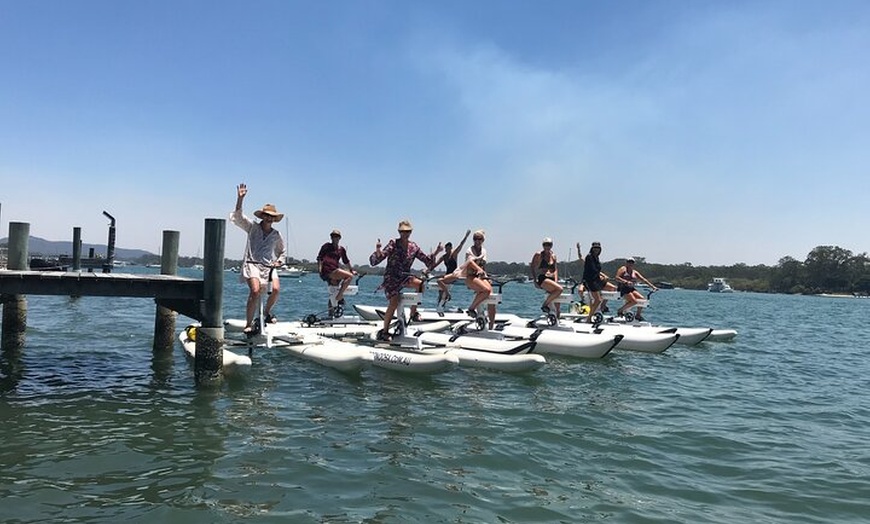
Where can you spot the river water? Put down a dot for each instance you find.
(772, 427)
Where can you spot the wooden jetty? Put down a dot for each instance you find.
(198, 299)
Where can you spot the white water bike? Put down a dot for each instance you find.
(259, 326)
(494, 299)
(627, 316)
(334, 313)
(565, 302)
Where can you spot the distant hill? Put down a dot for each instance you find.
(39, 246)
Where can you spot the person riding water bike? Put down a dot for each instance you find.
(329, 261)
(400, 254)
(626, 276)
(264, 251)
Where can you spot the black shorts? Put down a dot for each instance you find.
(625, 289)
(542, 278)
(595, 286)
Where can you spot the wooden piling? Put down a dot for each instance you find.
(15, 306)
(164, 318)
(77, 249)
(210, 337)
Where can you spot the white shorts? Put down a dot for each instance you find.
(254, 270)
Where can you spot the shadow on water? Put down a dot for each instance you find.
(11, 369)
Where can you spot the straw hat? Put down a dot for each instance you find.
(269, 209)
(405, 225)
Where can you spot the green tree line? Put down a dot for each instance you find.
(826, 269)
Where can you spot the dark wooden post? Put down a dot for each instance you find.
(109, 264)
(210, 337)
(164, 320)
(15, 306)
(77, 249)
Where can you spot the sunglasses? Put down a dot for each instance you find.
(478, 238)
(548, 244)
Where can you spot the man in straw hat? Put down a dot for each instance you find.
(264, 250)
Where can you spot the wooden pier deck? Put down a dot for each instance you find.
(177, 293)
(201, 300)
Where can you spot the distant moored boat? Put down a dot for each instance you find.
(718, 285)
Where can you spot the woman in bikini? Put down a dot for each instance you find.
(474, 270)
(545, 275)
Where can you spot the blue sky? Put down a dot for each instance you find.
(709, 132)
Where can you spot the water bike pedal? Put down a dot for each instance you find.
(255, 329)
(337, 311)
(477, 318)
(383, 336)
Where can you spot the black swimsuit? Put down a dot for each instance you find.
(450, 264)
(623, 288)
(550, 267)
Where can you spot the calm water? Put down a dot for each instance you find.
(772, 427)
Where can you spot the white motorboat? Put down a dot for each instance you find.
(290, 272)
(718, 285)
